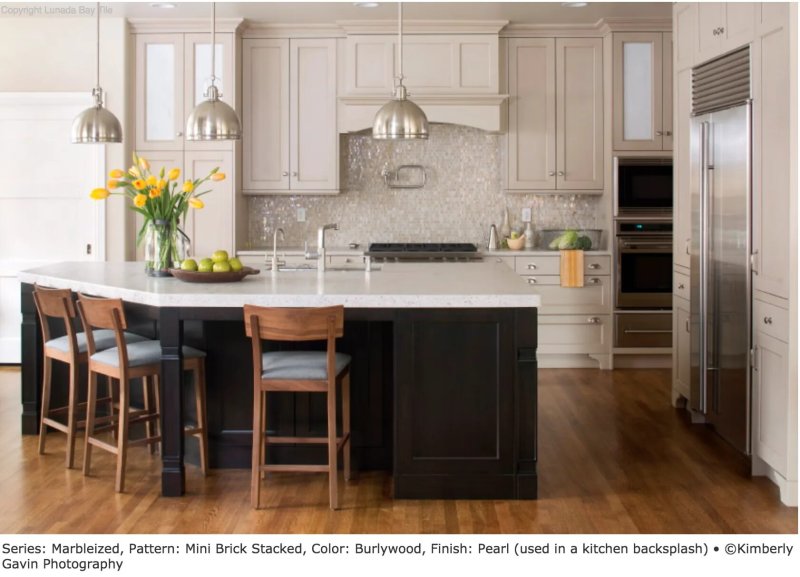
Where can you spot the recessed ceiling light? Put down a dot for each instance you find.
(574, 4)
(366, 4)
(163, 5)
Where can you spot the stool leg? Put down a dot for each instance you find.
(200, 400)
(72, 409)
(148, 424)
(91, 407)
(333, 464)
(346, 424)
(264, 436)
(157, 396)
(47, 372)
(122, 436)
(258, 457)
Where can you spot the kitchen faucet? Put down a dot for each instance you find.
(275, 262)
(320, 254)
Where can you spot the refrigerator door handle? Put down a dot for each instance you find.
(704, 257)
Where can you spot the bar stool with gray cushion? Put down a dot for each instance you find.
(299, 372)
(132, 361)
(70, 349)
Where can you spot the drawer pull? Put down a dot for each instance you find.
(647, 331)
(593, 266)
(687, 326)
(593, 321)
(767, 320)
(681, 286)
(594, 280)
(531, 280)
(532, 266)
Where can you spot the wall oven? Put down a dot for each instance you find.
(644, 264)
(642, 187)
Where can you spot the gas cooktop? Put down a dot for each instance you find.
(423, 251)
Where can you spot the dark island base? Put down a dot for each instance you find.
(445, 398)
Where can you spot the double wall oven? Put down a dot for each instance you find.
(643, 251)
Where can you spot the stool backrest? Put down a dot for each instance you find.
(101, 313)
(55, 303)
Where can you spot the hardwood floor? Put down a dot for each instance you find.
(614, 457)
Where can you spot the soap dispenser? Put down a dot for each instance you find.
(528, 236)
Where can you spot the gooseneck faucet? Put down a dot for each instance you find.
(320, 254)
(275, 262)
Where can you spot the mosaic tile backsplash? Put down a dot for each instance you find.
(463, 195)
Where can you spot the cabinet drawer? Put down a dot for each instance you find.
(592, 264)
(638, 330)
(581, 334)
(680, 285)
(593, 297)
(771, 320)
(344, 260)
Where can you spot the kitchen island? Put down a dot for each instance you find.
(444, 367)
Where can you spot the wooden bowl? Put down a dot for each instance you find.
(516, 243)
(206, 277)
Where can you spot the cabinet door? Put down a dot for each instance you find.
(666, 91)
(710, 30)
(265, 115)
(158, 159)
(740, 24)
(160, 120)
(771, 401)
(532, 114)
(579, 113)
(197, 77)
(211, 228)
(681, 342)
(682, 183)
(684, 23)
(637, 91)
(313, 136)
(574, 334)
(771, 163)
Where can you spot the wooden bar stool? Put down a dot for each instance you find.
(299, 372)
(125, 362)
(72, 350)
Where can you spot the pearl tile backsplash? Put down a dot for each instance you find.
(462, 197)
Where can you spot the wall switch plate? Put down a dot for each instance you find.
(301, 214)
(526, 214)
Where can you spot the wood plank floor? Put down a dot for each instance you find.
(614, 457)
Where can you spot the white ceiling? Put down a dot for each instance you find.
(318, 12)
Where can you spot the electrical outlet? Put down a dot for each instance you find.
(301, 214)
(526, 214)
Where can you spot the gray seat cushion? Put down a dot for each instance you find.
(300, 365)
(103, 339)
(141, 353)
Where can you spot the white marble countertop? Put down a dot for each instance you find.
(476, 284)
(339, 251)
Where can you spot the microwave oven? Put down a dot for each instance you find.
(642, 186)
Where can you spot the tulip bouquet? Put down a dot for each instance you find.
(163, 203)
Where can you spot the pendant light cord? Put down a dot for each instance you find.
(97, 19)
(213, 42)
(400, 41)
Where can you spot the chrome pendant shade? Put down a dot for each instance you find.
(213, 119)
(96, 124)
(400, 118)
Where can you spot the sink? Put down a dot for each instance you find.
(296, 268)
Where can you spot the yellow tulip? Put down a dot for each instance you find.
(188, 186)
(162, 184)
(155, 192)
(133, 171)
(99, 194)
(144, 164)
(218, 176)
(112, 183)
(196, 203)
(139, 184)
(174, 174)
(151, 181)
(116, 173)
(139, 200)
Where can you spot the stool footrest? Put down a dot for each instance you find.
(295, 468)
(275, 440)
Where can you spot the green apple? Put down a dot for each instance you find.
(514, 234)
(222, 266)
(220, 256)
(205, 265)
(236, 264)
(189, 264)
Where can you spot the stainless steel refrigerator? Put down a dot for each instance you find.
(720, 259)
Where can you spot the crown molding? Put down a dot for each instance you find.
(260, 29)
(422, 26)
(621, 24)
(600, 28)
(170, 25)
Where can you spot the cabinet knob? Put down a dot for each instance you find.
(294, 173)
(594, 266)
(687, 326)
(688, 244)
(179, 134)
(659, 133)
(668, 133)
(681, 286)
(767, 320)
(531, 280)
(560, 173)
(285, 173)
(551, 173)
(593, 321)
(594, 280)
(532, 266)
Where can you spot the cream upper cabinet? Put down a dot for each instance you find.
(555, 137)
(722, 27)
(211, 228)
(771, 162)
(684, 27)
(642, 91)
(289, 115)
(682, 177)
(172, 72)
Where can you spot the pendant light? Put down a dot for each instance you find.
(400, 118)
(213, 119)
(96, 124)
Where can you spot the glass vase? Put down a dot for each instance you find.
(165, 247)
